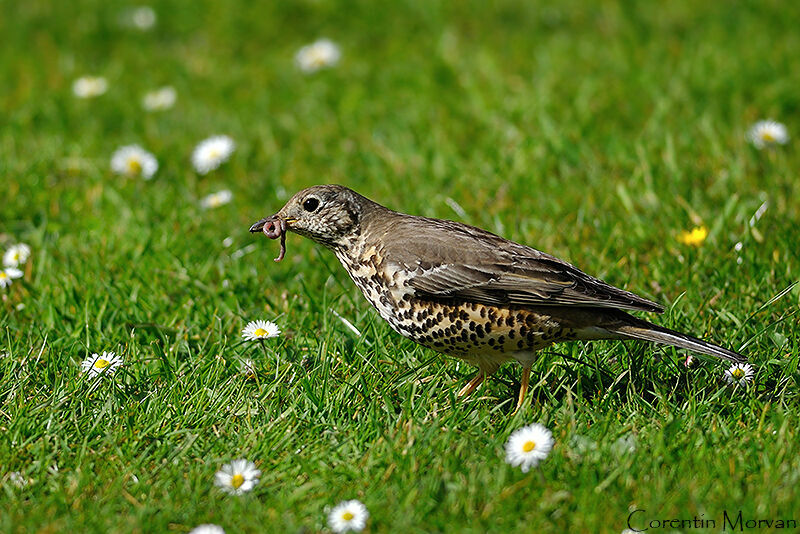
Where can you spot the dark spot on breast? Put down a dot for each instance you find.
(483, 312)
(510, 320)
(488, 328)
(491, 342)
(479, 331)
(511, 334)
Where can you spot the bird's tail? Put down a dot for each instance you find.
(639, 329)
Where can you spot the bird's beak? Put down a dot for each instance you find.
(257, 227)
(274, 227)
(268, 221)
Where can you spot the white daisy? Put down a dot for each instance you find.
(260, 330)
(208, 528)
(133, 160)
(767, 133)
(215, 200)
(89, 86)
(18, 479)
(8, 275)
(319, 54)
(143, 17)
(212, 152)
(237, 477)
(348, 515)
(16, 255)
(160, 99)
(105, 364)
(528, 446)
(740, 373)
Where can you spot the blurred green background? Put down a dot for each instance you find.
(596, 131)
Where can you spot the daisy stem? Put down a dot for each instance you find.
(266, 355)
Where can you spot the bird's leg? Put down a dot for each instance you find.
(474, 383)
(523, 388)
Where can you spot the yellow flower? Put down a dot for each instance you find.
(695, 237)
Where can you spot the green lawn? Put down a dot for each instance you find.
(596, 131)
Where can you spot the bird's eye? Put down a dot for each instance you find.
(310, 204)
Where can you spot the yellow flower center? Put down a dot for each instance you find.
(768, 137)
(237, 480)
(213, 153)
(134, 166)
(260, 332)
(738, 373)
(3, 275)
(101, 363)
(348, 516)
(16, 256)
(528, 446)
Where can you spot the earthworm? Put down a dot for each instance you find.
(275, 227)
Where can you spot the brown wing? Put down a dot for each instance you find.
(453, 260)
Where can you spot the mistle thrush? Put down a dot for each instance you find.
(464, 291)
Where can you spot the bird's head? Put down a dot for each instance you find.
(327, 214)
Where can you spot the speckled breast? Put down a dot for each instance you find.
(464, 329)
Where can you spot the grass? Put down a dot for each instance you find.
(594, 131)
